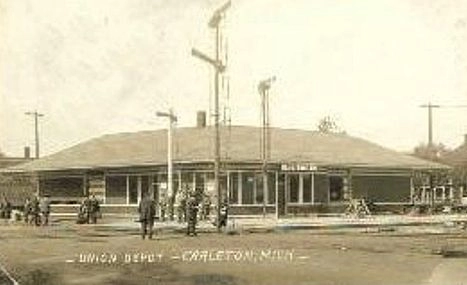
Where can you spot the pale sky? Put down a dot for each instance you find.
(98, 67)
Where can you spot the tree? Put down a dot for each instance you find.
(433, 152)
(328, 125)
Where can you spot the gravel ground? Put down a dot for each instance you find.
(66, 253)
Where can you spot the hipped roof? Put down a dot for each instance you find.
(238, 144)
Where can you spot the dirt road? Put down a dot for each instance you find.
(72, 254)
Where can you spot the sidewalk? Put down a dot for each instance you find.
(266, 224)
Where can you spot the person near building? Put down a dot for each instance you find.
(206, 209)
(163, 208)
(35, 211)
(5, 208)
(181, 213)
(223, 218)
(27, 210)
(192, 207)
(44, 207)
(94, 210)
(147, 211)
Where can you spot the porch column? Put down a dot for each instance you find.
(127, 190)
(228, 186)
(240, 188)
(138, 187)
(312, 188)
(179, 172)
(300, 188)
(194, 181)
(277, 194)
(85, 184)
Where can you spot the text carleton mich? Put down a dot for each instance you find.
(263, 255)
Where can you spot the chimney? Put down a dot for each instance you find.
(27, 152)
(200, 119)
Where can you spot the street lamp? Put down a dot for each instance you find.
(171, 119)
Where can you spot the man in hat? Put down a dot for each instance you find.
(94, 209)
(192, 215)
(44, 206)
(147, 211)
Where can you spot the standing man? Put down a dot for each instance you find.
(26, 210)
(147, 211)
(44, 206)
(6, 208)
(94, 209)
(224, 214)
(163, 208)
(36, 219)
(192, 215)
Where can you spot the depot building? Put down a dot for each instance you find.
(307, 171)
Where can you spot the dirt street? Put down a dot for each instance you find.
(85, 254)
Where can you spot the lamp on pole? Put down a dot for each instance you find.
(171, 119)
(36, 116)
(219, 67)
(263, 89)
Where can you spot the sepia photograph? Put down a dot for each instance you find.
(233, 142)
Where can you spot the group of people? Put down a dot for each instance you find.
(36, 211)
(188, 212)
(203, 206)
(89, 211)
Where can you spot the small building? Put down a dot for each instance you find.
(307, 171)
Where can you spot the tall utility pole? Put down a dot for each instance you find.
(430, 106)
(36, 116)
(170, 193)
(263, 89)
(214, 23)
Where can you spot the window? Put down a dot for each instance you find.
(145, 185)
(199, 176)
(306, 188)
(133, 189)
(259, 189)
(248, 186)
(233, 188)
(294, 185)
(336, 187)
(271, 188)
(115, 188)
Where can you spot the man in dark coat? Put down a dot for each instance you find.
(35, 211)
(94, 209)
(192, 216)
(224, 214)
(147, 211)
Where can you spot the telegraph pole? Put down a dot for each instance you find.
(170, 194)
(36, 116)
(263, 89)
(214, 23)
(430, 106)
